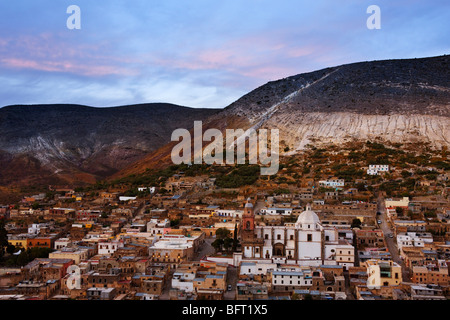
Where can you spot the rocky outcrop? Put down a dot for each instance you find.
(393, 100)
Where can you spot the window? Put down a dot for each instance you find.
(278, 236)
(309, 237)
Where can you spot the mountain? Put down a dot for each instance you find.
(404, 101)
(54, 144)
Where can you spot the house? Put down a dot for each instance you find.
(332, 182)
(375, 169)
(431, 274)
(206, 280)
(100, 293)
(288, 281)
(251, 290)
(108, 247)
(401, 203)
(276, 211)
(426, 292)
(414, 239)
(369, 238)
(383, 273)
(40, 242)
(76, 254)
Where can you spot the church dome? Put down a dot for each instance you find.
(307, 217)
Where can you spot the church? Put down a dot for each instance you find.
(305, 242)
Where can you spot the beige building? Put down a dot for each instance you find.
(431, 274)
(77, 255)
(383, 273)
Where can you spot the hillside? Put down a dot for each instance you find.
(396, 101)
(73, 143)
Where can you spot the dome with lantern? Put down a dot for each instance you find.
(308, 219)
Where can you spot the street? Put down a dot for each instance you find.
(390, 242)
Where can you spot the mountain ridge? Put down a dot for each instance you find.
(397, 100)
(59, 140)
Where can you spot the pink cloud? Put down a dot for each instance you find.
(255, 57)
(64, 66)
(53, 53)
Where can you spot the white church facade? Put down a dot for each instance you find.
(305, 242)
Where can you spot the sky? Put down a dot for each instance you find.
(197, 53)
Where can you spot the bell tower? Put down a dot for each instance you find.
(251, 244)
(248, 221)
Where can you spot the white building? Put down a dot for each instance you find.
(158, 227)
(375, 169)
(291, 279)
(305, 242)
(124, 198)
(413, 239)
(150, 189)
(334, 182)
(274, 211)
(35, 228)
(256, 268)
(184, 280)
(228, 213)
(62, 243)
(108, 248)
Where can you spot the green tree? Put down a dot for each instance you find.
(222, 233)
(227, 243)
(3, 237)
(217, 244)
(10, 248)
(356, 223)
(23, 258)
(235, 239)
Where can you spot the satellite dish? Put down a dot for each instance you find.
(17, 253)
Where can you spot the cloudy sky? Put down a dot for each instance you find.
(198, 53)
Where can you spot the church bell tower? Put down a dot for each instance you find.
(248, 222)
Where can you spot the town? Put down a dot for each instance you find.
(364, 221)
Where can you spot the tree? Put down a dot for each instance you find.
(23, 258)
(227, 243)
(217, 244)
(10, 248)
(3, 237)
(222, 233)
(235, 239)
(35, 206)
(356, 223)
